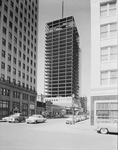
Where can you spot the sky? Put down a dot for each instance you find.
(50, 10)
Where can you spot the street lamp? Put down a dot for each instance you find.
(73, 108)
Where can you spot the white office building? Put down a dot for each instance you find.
(104, 60)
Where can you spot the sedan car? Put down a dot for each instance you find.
(6, 119)
(35, 119)
(71, 120)
(105, 128)
(17, 117)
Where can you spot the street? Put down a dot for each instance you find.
(54, 135)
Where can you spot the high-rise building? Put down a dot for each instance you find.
(18, 56)
(104, 60)
(61, 61)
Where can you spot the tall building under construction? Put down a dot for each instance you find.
(61, 61)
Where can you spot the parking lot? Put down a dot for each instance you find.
(54, 134)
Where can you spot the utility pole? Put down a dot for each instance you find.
(73, 109)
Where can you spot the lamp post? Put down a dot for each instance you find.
(73, 108)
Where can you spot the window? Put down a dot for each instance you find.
(15, 29)
(113, 77)
(113, 29)
(12, 4)
(8, 79)
(19, 63)
(14, 60)
(10, 35)
(15, 39)
(9, 46)
(104, 31)
(23, 66)
(5, 8)
(9, 68)
(24, 56)
(10, 24)
(21, 15)
(20, 24)
(15, 50)
(14, 71)
(20, 33)
(104, 78)
(3, 42)
(4, 30)
(9, 57)
(23, 75)
(104, 54)
(2, 77)
(16, 19)
(19, 53)
(103, 10)
(20, 44)
(3, 53)
(113, 52)
(28, 59)
(27, 78)
(11, 14)
(3, 65)
(19, 73)
(16, 9)
(5, 19)
(14, 81)
(112, 8)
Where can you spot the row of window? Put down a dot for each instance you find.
(19, 62)
(109, 53)
(20, 43)
(21, 14)
(106, 106)
(21, 26)
(6, 92)
(20, 35)
(109, 77)
(14, 69)
(19, 82)
(19, 75)
(108, 30)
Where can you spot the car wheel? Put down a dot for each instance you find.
(104, 131)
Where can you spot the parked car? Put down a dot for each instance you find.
(36, 119)
(6, 119)
(71, 120)
(17, 117)
(105, 128)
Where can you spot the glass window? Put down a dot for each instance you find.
(104, 78)
(113, 52)
(104, 54)
(113, 77)
(113, 29)
(104, 31)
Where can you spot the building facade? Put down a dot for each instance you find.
(104, 60)
(18, 56)
(61, 61)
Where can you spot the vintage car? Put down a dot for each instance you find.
(35, 119)
(17, 117)
(105, 128)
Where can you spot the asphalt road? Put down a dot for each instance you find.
(54, 135)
